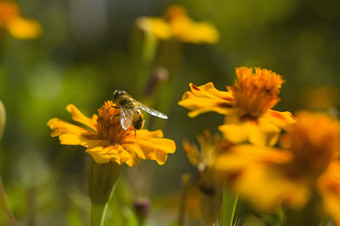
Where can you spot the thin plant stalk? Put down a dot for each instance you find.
(229, 207)
(98, 213)
(4, 205)
(149, 50)
(185, 187)
(102, 181)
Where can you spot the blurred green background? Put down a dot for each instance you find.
(90, 48)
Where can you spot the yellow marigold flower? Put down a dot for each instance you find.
(176, 24)
(18, 26)
(306, 163)
(106, 141)
(24, 28)
(247, 106)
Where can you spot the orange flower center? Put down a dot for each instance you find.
(175, 12)
(8, 11)
(314, 141)
(256, 93)
(108, 123)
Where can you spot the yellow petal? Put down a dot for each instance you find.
(281, 119)
(145, 145)
(155, 26)
(113, 153)
(234, 133)
(70, 134)
(192, 153)
(259, 132)
(206, 98)
(186, 30)
(61, 127)
(254, 172)
(24, 28)
(267, 189)
(264, 133)
(81, 118)
(150, 145)
(242, 156)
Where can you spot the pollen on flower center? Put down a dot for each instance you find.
(109, 127)
(256, 93)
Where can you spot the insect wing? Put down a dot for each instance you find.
(152, 111)
(126, 117)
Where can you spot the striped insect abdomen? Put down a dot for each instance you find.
(138, 119)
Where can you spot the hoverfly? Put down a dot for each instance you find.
(130, 110)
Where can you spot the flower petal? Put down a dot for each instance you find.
(187, 30)
(81, 118)
(281, 119)
(206, 98)
(242, 156)
(24, 28)
(113, 153)
(70, 134)
(255, 174)
(259, 132)
(150, 145)
(155, 26)
(192, 153)
(329, 188)
(267, 189)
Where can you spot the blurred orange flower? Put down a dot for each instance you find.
(106, 141)
(17, 26)
(307, 163)
(204, 159)
(176, 24)
(247, 106)
(210, 146)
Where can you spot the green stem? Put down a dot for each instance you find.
(229, 207)
(149, 50)
(4, 205)
(98, 212)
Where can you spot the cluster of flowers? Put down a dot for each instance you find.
(270, 158)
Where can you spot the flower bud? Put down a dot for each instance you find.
(157, 77)
(142, 208)
(211, 197)
(102, 178)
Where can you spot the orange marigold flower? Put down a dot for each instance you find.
(247, 106)
(18, 26)
(176, 24)
(106, 141)
(306, 163)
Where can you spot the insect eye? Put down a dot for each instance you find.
(116, 93)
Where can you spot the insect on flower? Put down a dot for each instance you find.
(130, 110)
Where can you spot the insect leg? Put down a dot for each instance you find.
(111, 107)
(114, 116)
